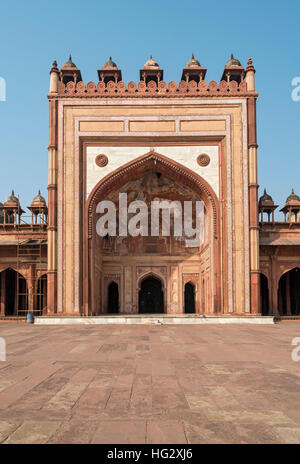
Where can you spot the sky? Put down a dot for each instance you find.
(34, 33)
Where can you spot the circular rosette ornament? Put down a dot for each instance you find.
(203, 160)
(101, 160)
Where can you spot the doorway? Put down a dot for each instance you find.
(151, 296)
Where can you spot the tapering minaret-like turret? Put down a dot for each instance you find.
(250, 79)
(54, 76)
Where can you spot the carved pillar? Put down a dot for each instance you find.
(253, 209)
(52, 211)
(3, 289)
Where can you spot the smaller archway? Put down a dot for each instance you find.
(289, 293)
(264, 295)
(189, 298)
(113, 298)
(16, 293)
(151, 296)
(41, 296)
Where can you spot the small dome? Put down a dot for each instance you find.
(265, 197)
(38, 200)
(69, 63)
(193, 62)
(12, 200)
(233, 62)
(151, 62)
(110, 64)
(292, 197)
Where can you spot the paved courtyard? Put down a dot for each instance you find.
(149, 384)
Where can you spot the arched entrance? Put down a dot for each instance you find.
(264, 295)
(289, 293)
(113, 298)
(189, 298)
(149, 177)
(16, 292)
(151, 297)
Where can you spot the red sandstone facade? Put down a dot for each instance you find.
(192, 140)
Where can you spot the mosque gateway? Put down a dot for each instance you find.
(152, 203)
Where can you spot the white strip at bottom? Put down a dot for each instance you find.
(154, 319)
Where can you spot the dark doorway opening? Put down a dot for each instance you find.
(10, 292)
(113, 298)
(151, 297)
(41, 303)
(264, 295)
(289, 293)
(189, 298)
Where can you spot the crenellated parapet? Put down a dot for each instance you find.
(153, 89)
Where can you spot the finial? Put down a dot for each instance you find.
(265, 191)
(54, 64)
(70, 57)
(250, 61)
(13, 193)
(110, 58)
(39, 192)
(293, 192)
(232, 57)
(193, 56)
(150, 57)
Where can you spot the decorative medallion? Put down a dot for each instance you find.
(203, 160)
(101, 160)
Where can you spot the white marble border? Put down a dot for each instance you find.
(148, 102)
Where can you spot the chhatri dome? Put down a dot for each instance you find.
(265, 197)
(110, 64)
(193, 62)
(12, 200)
(151, 63)
(69, 63)
(38, 200)
(292, 197)
(233, 62)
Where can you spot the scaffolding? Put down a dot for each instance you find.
(30, 256)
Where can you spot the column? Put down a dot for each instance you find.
(253, 209)
(52, 211)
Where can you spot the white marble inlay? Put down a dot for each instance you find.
(185, 155)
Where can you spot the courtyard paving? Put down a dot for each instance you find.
(149, 384)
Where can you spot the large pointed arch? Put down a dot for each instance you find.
(162, 164)
(134, 169)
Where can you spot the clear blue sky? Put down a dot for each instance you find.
(33, 33)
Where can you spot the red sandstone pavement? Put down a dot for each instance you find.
(149, 384)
